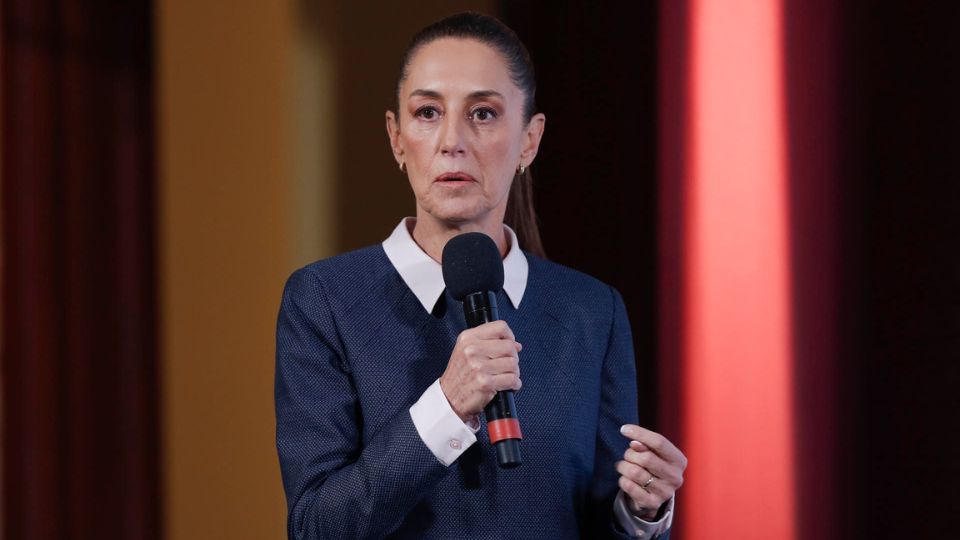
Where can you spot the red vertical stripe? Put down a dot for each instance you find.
(734, 275)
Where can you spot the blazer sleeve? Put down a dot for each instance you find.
(618, 406)
(337, 487)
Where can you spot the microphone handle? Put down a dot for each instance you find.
(503, 426)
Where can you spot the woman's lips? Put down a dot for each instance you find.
(455, 179)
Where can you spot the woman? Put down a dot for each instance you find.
(380, 386)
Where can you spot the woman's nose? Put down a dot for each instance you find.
(451, 136)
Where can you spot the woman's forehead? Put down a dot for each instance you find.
(452, 66)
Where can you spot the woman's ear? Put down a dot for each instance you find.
(393, 131)
(531, 139)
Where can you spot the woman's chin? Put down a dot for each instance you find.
(458, 214)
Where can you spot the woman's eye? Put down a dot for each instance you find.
(427, 113)
(483, 114)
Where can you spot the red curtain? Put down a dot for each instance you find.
(748, 264)
(79, 368)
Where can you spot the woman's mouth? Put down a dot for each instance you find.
(455, 179)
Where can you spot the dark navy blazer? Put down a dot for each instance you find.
(355, 349)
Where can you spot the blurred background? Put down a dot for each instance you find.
(772, 185)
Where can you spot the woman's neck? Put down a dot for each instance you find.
(432, 234)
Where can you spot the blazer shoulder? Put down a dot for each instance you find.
(365, 260)
(348, 275)
(568, 288)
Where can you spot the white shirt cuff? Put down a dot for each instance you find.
(637, 527)
(444, 433)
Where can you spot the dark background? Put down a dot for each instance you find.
(899, 303)
(595, 177)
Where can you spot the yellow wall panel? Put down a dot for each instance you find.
(224, 121)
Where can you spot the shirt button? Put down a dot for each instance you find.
(455, 444)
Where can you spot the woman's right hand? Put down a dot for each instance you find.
(484, 361)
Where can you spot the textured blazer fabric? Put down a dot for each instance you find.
(355, 349)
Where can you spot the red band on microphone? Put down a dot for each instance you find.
(505, 428)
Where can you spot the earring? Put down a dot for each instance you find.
(403, 169)
(520, 169)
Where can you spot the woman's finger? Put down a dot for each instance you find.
(670, 473)
(636, 473)
(641, 497)
(638, 446)
(506, 381)
(492, 348)
(648, 481)
(507, 364)
(656, 442)
(493, 330)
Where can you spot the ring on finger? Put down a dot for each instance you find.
(648, 482)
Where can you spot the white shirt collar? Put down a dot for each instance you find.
(424, 275)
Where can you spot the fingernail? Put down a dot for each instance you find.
(625, 429)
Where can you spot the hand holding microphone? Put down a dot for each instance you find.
(484, 368)
(484, 361)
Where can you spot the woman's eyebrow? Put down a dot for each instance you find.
(426, 93)
(482, 94)
(478, 94)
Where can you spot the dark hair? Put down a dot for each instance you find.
(521, 215)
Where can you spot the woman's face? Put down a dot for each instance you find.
(460, 132)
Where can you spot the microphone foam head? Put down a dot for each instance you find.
(471, 263)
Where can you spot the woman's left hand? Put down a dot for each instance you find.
(651, 470)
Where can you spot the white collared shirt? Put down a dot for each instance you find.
(440, 428)
(424, 275)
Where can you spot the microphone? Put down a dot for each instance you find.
(473, 274)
